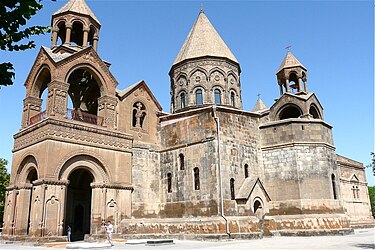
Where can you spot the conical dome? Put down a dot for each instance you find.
(290, 61)
(203, 40)
(77, 6)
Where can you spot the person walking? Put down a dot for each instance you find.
(68, 233)
(109, 231)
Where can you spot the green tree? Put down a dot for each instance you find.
(13, 17)
(372, 164)
(4, 182)
(371, 193)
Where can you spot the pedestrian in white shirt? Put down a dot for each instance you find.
(109, 231)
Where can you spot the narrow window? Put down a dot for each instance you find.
(232, 194)
(181, 161)
(196, 179)
(183, 100)
(334, 186)
(232, 100)
(354, 195)
(169, 176)
(357, 191)
(246, 170)
(199, 97)
(217, 96)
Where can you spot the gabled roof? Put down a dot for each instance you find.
(247, 188)
(77, 6)
(126, 92)
(203, 40)
(290, 61)
(259, 106)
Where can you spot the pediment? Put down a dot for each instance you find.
(141, 87)
(354, 178)
(249, 186)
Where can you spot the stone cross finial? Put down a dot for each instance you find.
(201, 8)
(288, 47)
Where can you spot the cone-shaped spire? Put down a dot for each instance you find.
(259, 106)
(77, 6)
(203, 40)
(290, 61)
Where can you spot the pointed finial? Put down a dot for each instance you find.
(201, 8)
(288, 47)
(258, 96)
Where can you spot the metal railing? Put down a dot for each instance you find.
(38, 117)
(71, 114)
(78, 115)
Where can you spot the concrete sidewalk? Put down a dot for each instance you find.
(360, 239)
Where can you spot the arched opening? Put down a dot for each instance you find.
(84, 92)
(199, 97)
(32, 176)
(91, 35)
(232, 194)
(217, 94)
(258, 207)
(77, 33)
(246, 168)
(61, 33)
(169, 184)
(183, 100)
(139, 115)
(232, 99)
(196, 179)
(333, 180)
(293, 83)
(314, 112)
(181, 161)
(78, 203)
(291, 111)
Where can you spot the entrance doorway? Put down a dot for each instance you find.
(32, 176)
(78, 206)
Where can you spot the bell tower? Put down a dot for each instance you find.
(292, 75)
(75, 25)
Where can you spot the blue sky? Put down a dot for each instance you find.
(333, 39)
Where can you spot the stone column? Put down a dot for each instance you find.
(299, 85)
(305, 86)
(9, 211)
(23, 209)
(55, 31)
(68, 33)
(85, 36)
(97, 208)
(281, 89)
(95, 42)
(107, 110)
(287, 86)
(57, 99)
(31, 107)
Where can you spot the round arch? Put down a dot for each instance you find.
(314, 111)
(25, 167)
(218, 70)
(87, 162)
(94, 72)
(289, 111)
(258, 205)
(199, 69)
(41, 80)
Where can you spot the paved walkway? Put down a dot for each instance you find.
(361, 239)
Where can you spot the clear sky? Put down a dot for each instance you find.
(333, 39)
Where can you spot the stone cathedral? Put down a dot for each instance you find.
(207, 169)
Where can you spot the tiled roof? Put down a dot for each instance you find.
(77, 6)
(203, 40)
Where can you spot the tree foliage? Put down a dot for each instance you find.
(372, 164)
(4, 182)
(14, 15)
(371, 193)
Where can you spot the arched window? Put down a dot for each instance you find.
(334, 186)
(169, 185)
(217, 93)
(232, 99)
(293, 83)
(139, 115)
(314, 112)
(246, 168)
(183, 100)
(291, 111)
(232, 194)
(181, 161)
(199, 97)
(77, 33)
(196, 179)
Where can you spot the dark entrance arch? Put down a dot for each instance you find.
(78, 205)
